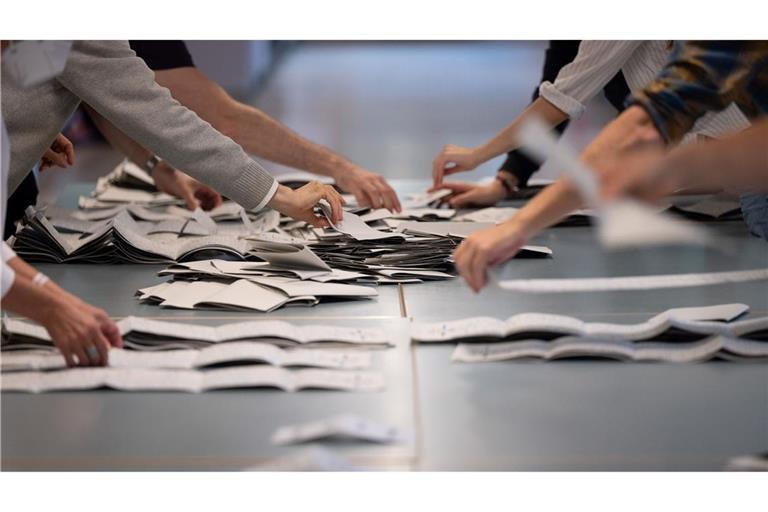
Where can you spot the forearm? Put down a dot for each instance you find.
(506, 139)
(739, 162)
(255, 131)
(546, 209)
(30, 300)
(137, 153)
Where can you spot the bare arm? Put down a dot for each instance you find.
(262, 136)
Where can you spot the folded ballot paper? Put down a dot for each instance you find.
(343, 426)
(173, 356)
(191, 381)
(497, 215)
(147, 334)
(677, 335)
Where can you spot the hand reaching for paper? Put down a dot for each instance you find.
(370, 189)
(176, 183)
(484, 249)
(300, 204)
(450, 160)
(60, 154)
(81, 332)
(465, 194)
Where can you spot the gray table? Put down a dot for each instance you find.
(493, 416)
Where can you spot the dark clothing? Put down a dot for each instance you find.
(25, 195)
(559, 54)
(161, 55)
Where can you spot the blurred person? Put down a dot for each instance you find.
(700, 79)
(595, 65)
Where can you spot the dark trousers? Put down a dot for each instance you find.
(559, 54)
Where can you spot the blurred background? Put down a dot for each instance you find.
(389, 106)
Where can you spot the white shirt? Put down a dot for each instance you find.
(7, 275)
(639, 61)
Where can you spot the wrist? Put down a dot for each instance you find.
(281, 199)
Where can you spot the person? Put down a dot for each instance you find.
(593, 67)
(109, 77)
(700, 82)
(81, 332)
(518, 168)
(255, 131)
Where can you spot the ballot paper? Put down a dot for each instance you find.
(344, 426)
(450, 228)
(623, 223)
(188, 359)
(757, 462)
(712, 347)
(288, 255)
(650, 282)
(425, 213)
(549, 326)
(424, 199)
(191, 381)
(354, 226)
(145, 332)
(497, 215)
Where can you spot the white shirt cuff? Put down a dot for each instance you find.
(571, 106)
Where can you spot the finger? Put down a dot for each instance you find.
(391, 201)
(102, 346)
(438, 166)
(461, 200)
(187, 194)
(318, 221)
(69, 150)
(59, 159)
(44, 164)
(82, 357)
(476, 270)
(111, 331)
(364, 198)
(67, 353)
(333, 198)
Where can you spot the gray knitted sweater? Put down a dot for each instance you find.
(109, 77)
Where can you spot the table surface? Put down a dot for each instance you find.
(566, 415)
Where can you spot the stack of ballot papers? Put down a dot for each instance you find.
(676, 335)
(172, 356)
(497, 215)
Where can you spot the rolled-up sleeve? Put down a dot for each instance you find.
(118, 85)
(594, 66)
(7, 275)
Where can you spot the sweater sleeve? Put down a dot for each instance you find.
(118, 85)
(594, 66)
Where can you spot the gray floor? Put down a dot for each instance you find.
(391, 109)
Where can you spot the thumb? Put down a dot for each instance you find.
(462, 199)
(188, 195)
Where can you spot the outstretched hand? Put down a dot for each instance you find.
(61, 153)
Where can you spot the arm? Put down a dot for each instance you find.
(633, 129)
(654, 174)
(167, 178)
(594, 66)
(76, 328)
(699, 77)
(264, 137)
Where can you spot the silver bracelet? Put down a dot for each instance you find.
(40, 279)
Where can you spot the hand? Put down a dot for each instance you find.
(370, 189)
(452, 159)
(484, 249)
(75, 326)
(61, 154)
(300, 204)
(470, 194)
(176, 183)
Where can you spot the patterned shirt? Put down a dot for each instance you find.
(703, 76)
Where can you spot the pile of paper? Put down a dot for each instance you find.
(676, 335)
(170, 356)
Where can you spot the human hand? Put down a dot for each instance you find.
(486, 248)
(192, 192)
(370, 189)
(300, 204)
(470, 194)
(81, 332)
(61, 154)
(452, 159)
